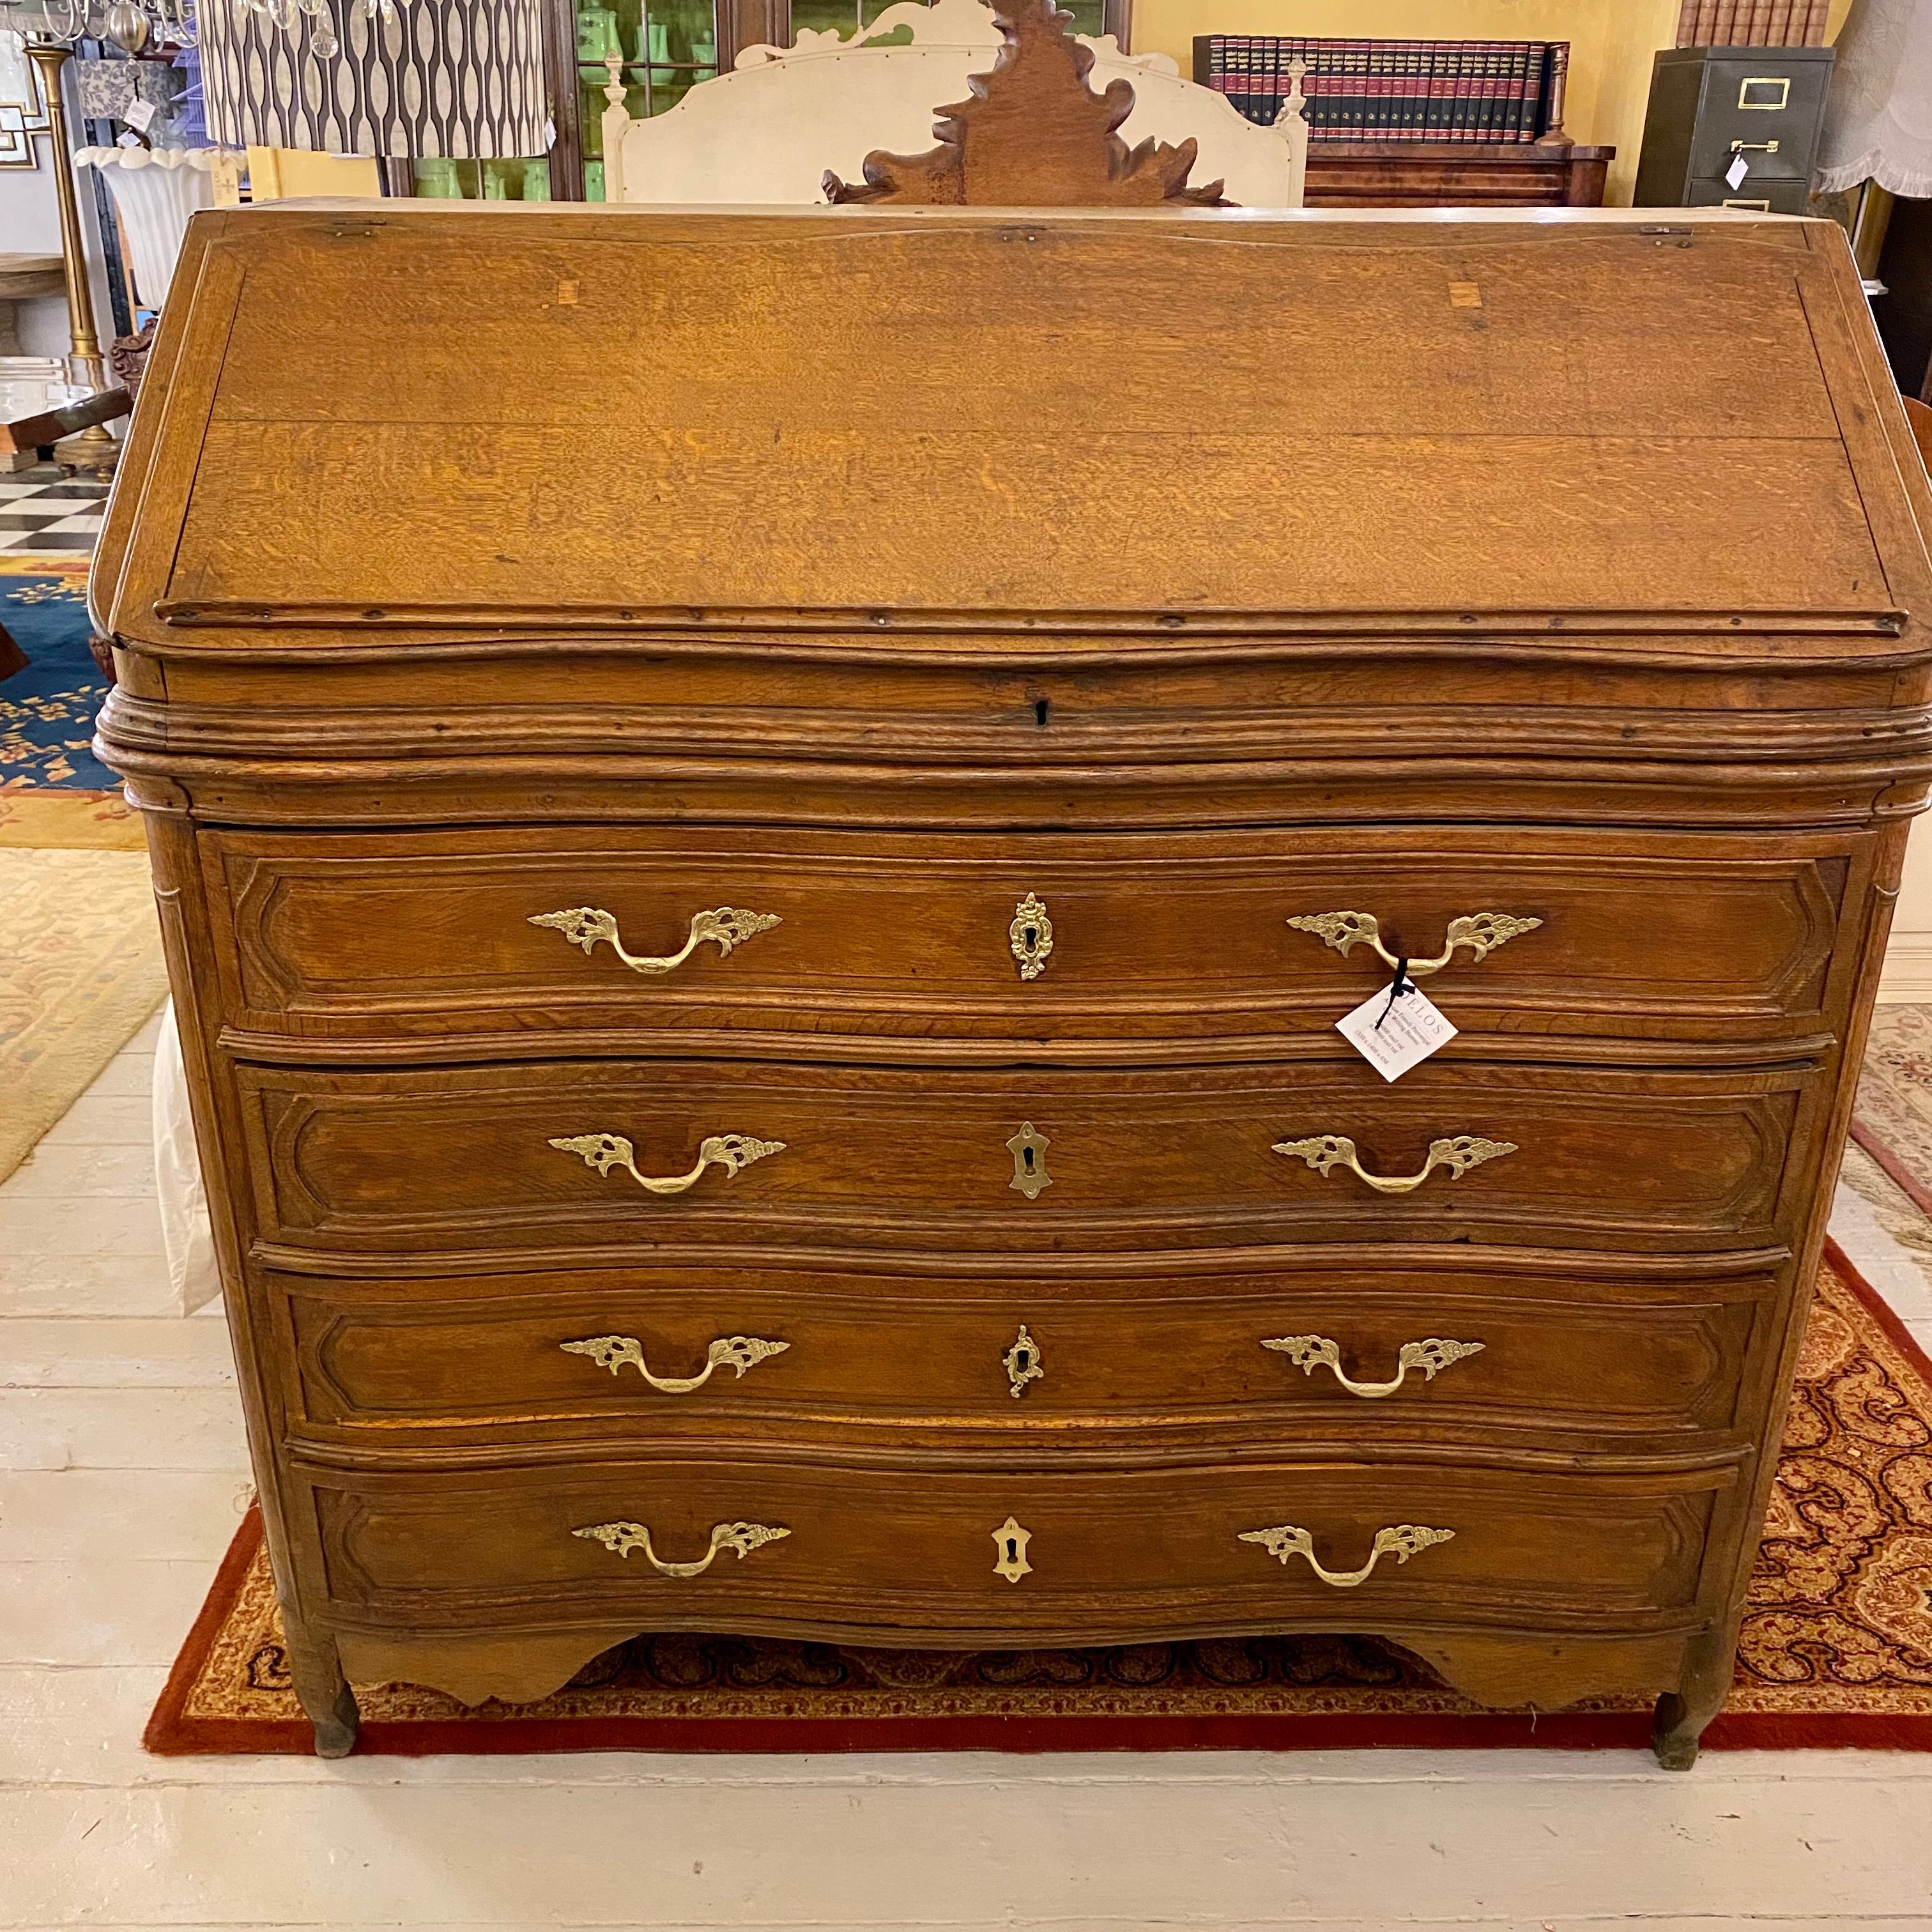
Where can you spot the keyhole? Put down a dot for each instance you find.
(1012, 1549)
(1041, 706)
(1022, 1360)
(1033, 935)
(1026, 1155)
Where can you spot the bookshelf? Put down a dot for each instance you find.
(1417, 124)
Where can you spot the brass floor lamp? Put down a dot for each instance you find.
(92, 449)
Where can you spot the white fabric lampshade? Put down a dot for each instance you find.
(1878, 125)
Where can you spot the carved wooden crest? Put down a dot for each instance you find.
(1034, 135)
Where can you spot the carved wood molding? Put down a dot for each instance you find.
(1034, 135)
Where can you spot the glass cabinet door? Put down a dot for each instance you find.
(663, 48)
(847, 15)
(666, 46)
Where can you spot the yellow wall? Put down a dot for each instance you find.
(275, 174)
(1611, 43)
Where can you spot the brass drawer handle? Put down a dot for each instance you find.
(1310, 1352)
(1324, 1151)
(736, 1352)
(1481, 932)
(1401, 1540)
(623, 1537)
(725, 927)
(732, 1152)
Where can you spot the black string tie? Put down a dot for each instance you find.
(1402, 984)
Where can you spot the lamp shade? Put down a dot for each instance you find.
(1878, 125)
(453, 79)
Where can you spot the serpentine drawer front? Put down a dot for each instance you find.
(1611, 1364)
(763, 1034)
(1119, 1556)
(526, 1157)
(1660, 937)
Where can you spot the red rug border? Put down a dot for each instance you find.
(171, 1732)
(1893, 1164)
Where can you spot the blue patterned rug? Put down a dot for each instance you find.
(47, 710)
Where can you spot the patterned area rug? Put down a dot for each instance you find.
(80, 971)
(1838, 1642)
(1890, 1159)
(53, 791)
(47, 710)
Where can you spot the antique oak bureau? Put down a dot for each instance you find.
(758, 930)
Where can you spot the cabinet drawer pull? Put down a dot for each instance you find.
(726, 927)
(1482, 932)
(622, 1538)
(732, 1152)
(1400, 1540)
(1459, 1154)
(1310, 1352)
(736, 1352)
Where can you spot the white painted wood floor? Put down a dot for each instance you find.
(121, 1474)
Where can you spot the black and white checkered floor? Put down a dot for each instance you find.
(44, 513)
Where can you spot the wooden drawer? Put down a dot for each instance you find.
(909, 1555)
(506, 1160)
(1604, 1363)
(430, 935)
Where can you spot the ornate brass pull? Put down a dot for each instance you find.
(725, 927)
(732, 1152)
(736, 1352)
(623, 1537)
(1030, 936)
(1458, 1155)
(1310, 1352)
(1482, 932)
(1401, 1540)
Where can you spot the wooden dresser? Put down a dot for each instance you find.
(758, 925)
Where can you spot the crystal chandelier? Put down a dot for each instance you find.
(131, 25)
(323, 41)
(135, 25)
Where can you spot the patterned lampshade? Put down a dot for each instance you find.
(453, 79)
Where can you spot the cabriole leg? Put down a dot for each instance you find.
(1682, 1714)
(329, 1704)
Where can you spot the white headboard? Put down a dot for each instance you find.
(769, 131)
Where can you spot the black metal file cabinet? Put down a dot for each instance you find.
(1709, 106)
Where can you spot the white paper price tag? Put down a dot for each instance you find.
(140, 116)
(1394, 1038)
(1735, 174)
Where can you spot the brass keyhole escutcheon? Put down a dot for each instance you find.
(1022, 1362)
(1030, 936)
(1011, 1540)
(1028, 1148)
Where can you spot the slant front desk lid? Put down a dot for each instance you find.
(367, 416)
